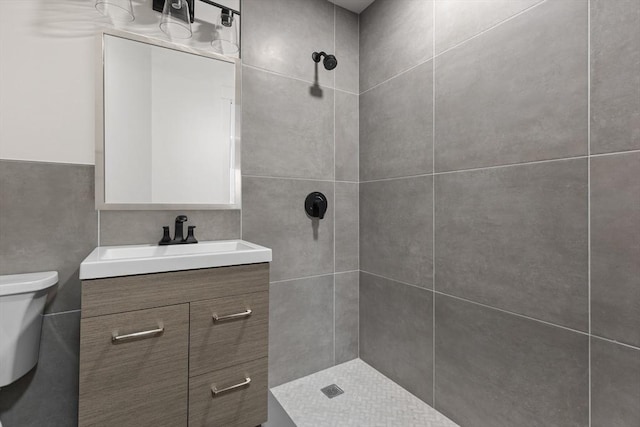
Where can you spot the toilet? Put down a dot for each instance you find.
(22, 299)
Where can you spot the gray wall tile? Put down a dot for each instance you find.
(281, 35)
(395, 35)
(396, 229)
(347, 118)
(347, 315)
(48, 394)
(286, 131)
(347, 52)
(145, 227)
(615, 75)
(47, 222)
(516, 93)
(273, 215)
(396, 332)
(516, 238)
(495, 369)
(459, 20)
(615, 385)
(615, 247)
(347, 253)
(396, 126)
(300, 328)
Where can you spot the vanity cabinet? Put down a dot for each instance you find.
(186, 348)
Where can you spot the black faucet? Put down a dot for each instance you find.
(178, 237)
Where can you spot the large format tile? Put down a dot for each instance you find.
(300, 328)
(516, 238)
(396, 229)
(459, 20)
(615, 75)
(347, 53)
(516, 93)
(273, 215)
(47, 222)
(395, 35)
(346, 232)
(347, 122)
(396, 126)
(286, 131)
(143, 227)
(347, 314)
(48, 394)
(396, 332)
(281, 35)
(494, 369)
(615, 247)
(615, 385)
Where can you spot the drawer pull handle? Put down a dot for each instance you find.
(245, 313)
(215, 391)
(136, 335)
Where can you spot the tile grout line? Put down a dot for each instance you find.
(335, 196)
(533, 162)
(288, 177)
(358, 178)
(524, 316)
(302, 278)
(434, 55)
(589, 197)
(286, 76)
(478, 303)
(433, 208)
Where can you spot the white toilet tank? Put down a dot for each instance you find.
(22, 299)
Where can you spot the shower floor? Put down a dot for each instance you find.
(370, 399)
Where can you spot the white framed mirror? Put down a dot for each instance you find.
(167, 126)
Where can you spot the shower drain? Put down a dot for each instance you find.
(332, 391)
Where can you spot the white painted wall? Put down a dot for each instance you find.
(47, 83)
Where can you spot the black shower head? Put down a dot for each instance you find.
(330, 62)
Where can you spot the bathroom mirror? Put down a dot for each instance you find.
(168, 125)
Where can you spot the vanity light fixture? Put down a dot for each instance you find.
(116, 10)
(178, 15)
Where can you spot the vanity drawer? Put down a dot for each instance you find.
(243, 406)
(236, 337)
(138, 379)
(128, 293)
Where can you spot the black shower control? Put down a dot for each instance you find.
(316, 205)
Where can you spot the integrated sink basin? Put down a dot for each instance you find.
(113, 261)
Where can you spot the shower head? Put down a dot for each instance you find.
(330, 62)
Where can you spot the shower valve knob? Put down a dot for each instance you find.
(316, 205)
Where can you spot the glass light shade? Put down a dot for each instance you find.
(225, 36)
(176, 21)
(116, 10)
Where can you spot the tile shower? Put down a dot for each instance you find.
(482, 164)
(500, 207)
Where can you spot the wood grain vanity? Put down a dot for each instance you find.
(185, 348)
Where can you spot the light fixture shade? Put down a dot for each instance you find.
(225, 36)
(116, 10)
(176, 20)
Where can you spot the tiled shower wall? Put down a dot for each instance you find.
(500, 207)
(297, 138)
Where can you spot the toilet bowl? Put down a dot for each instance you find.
(22, 299)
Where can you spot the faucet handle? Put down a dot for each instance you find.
(190, 237)
(165, 236)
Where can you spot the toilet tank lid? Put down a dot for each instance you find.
(31, 282)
